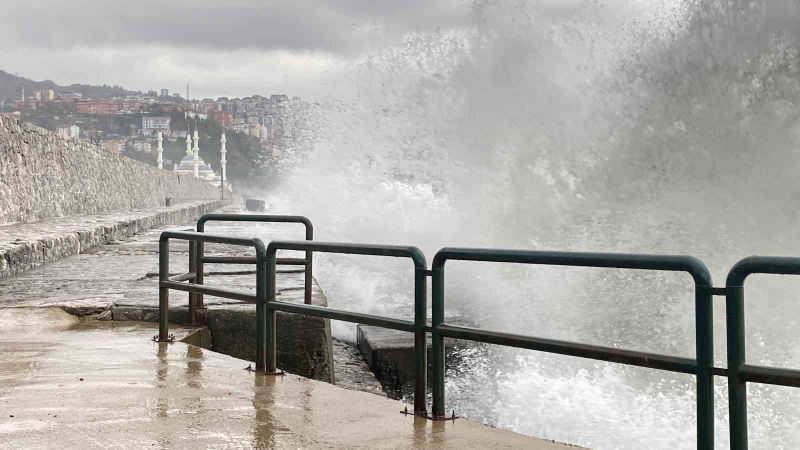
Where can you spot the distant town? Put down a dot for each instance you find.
(130, 123)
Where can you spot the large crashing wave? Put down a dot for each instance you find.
(657, 127)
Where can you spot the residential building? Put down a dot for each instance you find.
(70, 132)
(131, 105)
(153, 124)
(97, 107)
(222, 117)
(44, 95)
(142, 146)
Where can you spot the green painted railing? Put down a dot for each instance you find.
(702, 367)
(307, 262)
(739, 373)
(165, 282)
(418, 326)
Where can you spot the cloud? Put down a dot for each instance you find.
(230, 47)
(338, 26)
(211, 73)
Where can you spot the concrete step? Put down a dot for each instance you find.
(390, 355)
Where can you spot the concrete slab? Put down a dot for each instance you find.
(67, 384)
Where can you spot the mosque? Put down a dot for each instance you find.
(193, 164)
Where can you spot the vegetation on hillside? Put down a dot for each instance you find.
(11, 88)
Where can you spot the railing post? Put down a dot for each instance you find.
(257, 218)
(420, 341)
(437, 316)
(268, 315)
(704, 348)
(163, 292)
(193, 295)
(199, 266)
(262, 289)
(309, 264)
(737, 388)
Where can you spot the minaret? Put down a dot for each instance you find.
(222, 161)
(188, 141)
(196, 151)
(160, 151)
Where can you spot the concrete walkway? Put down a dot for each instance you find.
(71, 384)
(74, 382)
(118, 280)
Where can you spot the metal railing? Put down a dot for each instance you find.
(306, 262)
(702, 367)
(739, 372)
(266, 353)
(165, 282)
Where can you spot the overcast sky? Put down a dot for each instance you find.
(221, 47)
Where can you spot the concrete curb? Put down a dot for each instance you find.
(64, 239)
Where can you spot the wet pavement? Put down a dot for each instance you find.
(124, 273)
(67, 383)
(118, 280)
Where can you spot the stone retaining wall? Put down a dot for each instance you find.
(44, 176)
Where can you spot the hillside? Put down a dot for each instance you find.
(11, 87)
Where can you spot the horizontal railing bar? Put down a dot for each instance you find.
(290, 261)
(204, 237)
(679, 263)
(775, 265)
(397, 251)
(228, 272)
(264, 218)
(200, 289)
(634, 358)
(337, 314)
(719, 371)
(251, 260)
(770, 375)
(229, 259)
(183, 277)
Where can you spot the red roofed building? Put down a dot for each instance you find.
(97, 107)
(222, 117)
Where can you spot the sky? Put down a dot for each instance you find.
(219, 47)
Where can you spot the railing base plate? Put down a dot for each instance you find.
(425, 415)
(278, 373)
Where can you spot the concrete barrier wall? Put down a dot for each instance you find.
(44, 176)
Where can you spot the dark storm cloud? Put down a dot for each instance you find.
(338, 26)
